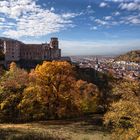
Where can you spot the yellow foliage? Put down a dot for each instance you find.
(49, 91)
(124, 113)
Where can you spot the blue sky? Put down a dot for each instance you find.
(84, 27)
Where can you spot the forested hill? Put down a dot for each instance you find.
(132, 56)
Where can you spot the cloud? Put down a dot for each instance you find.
(130, 6)
(103, 4)
(107, 22)
(108, 17)
(2, 20)
(89, 6)
(89, 10)
(52, 9)
(116, 13)
(110, 21)
(118, 1)
(132, 19)
(121, 0)
(69, 15)
(94, 28)
(15, 8)
(101, 22)
(30, 19)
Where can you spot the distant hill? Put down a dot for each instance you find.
(132, 56)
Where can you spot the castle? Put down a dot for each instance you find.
(28, 55)
(16, 51)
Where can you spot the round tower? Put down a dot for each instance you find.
(54, 43)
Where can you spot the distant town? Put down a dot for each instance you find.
(108, 65)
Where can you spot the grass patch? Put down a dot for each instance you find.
(54, 130)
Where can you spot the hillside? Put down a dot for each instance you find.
(132, 56)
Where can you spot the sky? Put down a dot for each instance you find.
(84, 27)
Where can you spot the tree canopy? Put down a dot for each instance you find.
(124, 112)
(49, 91)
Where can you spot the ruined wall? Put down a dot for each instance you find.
(12, 50)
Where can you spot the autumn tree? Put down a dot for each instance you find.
(49, 91)
(31, 106)
(14, 79)
(12, 84)
(124, 113)
(54, 89)
(52, 84)
(89, 95)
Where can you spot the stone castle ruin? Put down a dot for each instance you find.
(17, 51)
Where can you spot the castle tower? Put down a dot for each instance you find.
(55, 51)
(54, 43)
